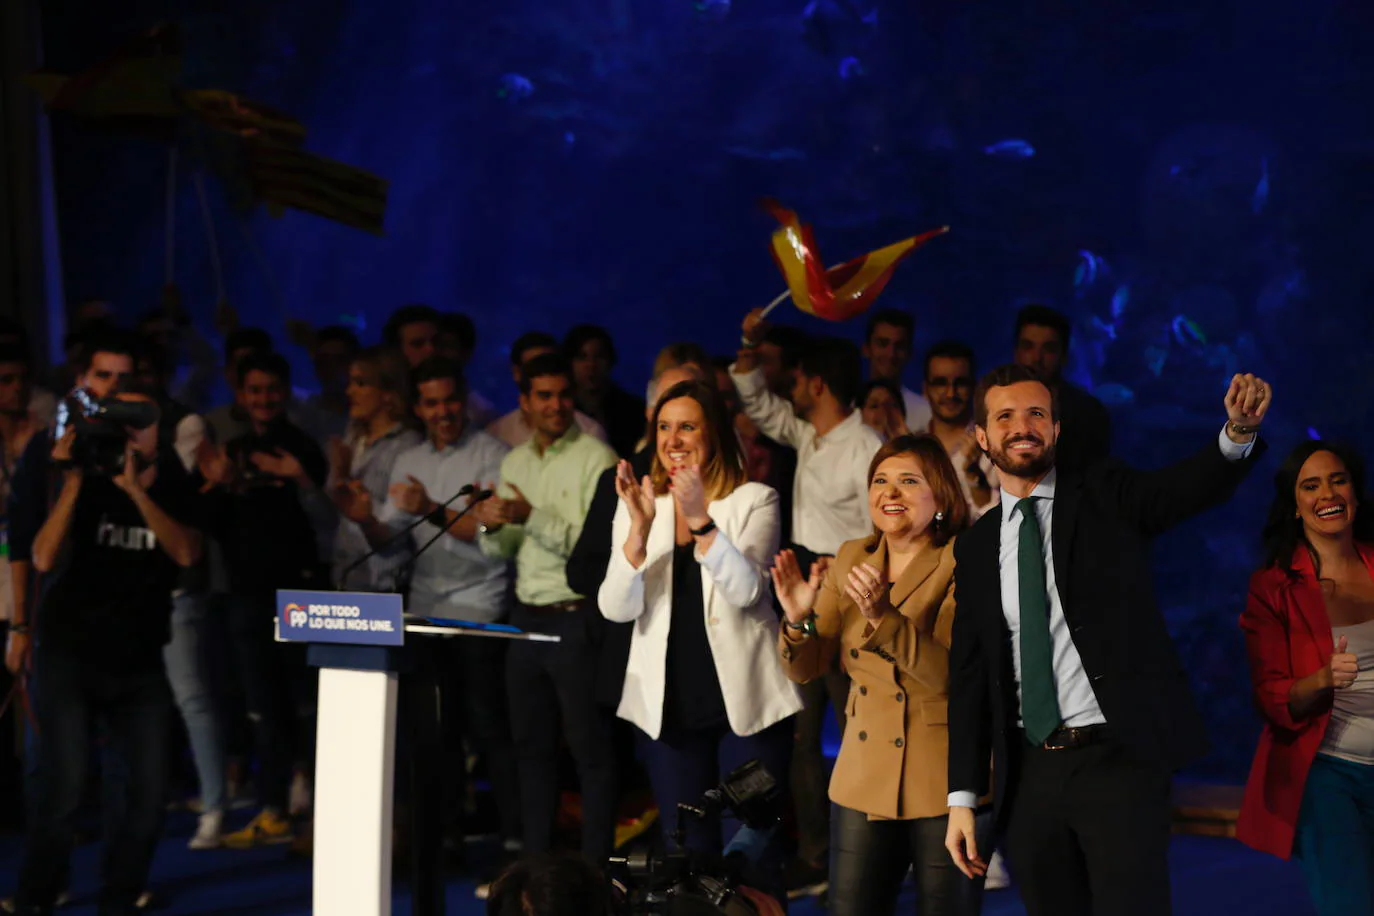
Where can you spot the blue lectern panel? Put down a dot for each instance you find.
(354, 618)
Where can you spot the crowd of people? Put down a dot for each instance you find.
(958, 575)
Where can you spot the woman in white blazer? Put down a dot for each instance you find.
(692, 543)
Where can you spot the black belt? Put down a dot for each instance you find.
(558, 607)
(1067, 737)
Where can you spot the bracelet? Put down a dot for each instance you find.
(746, 342)
(21, 628)
(1241, 430)
(807, 627)
(438, 516)
(704, 529)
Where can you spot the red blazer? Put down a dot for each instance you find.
(1287, 636)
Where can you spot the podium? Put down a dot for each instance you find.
(362, 643)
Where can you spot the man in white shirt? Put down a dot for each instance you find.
(830, 506)
(887, 347)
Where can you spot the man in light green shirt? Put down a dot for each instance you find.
(546, 489)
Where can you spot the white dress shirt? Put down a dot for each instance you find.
(1077, 702)
(918, 412)
(830, 491)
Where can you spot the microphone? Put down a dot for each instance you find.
(467, 490)
(477, 497)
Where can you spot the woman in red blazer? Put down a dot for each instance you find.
(1309, 632)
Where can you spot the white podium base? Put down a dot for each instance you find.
(354, 766)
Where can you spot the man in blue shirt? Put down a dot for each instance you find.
(453, 578)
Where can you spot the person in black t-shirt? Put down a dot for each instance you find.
(114, 546)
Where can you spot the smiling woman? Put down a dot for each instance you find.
(689, 568)
(886, 607)
(1309, 631)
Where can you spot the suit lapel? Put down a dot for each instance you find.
(917, 571)
(986, 536)
(1307, 598)
(1063, 522)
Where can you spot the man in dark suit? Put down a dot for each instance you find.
(1042, 344)
(1062, 672)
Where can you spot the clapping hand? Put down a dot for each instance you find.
(498, 511)
(1344, 666)
(353, 501)
(278, 463)
(796, 595)
(214, 465)
(1247, 400)
(411, 497)
(638, 498)
(688, 492)
(866, 589)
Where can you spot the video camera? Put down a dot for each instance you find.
(102, 429)
(687, 884)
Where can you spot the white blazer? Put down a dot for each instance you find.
(741, 625)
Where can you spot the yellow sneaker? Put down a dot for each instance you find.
(268, 828)
(631, 827)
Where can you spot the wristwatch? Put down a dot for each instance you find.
(807, 627)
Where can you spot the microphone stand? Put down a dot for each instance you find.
(426, 726)
(465, 491)
(408, 566)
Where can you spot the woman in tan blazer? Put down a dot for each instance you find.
(885, 607)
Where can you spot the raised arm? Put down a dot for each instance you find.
(808, 654)
(1160, 499)
(774, 417)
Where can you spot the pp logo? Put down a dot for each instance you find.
(295, 615)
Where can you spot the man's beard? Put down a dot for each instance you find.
(961, 414)
(1022, 466)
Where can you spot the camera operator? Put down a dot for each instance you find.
(106, 360)
(122, 528)
(264, 483)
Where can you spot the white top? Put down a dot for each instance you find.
(741, 625)
(514, 430)
(830, 491)
(918, 412)
(1350, 730)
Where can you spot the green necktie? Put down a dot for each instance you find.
(1039, 696)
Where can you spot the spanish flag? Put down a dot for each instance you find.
(843, 291)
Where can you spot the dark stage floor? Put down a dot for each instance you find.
(1211, 876)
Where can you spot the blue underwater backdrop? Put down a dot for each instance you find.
(1193, 184)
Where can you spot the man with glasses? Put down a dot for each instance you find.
(949, 385)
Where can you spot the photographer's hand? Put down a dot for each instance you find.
(17, 653)
(62, 448)
(47, 546)
(128, 479)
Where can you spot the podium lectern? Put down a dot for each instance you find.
(362, 643)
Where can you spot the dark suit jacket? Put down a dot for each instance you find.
(587, 567)
(1104, 519)
(1085, 429)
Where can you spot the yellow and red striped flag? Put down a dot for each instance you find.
(842, 291)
